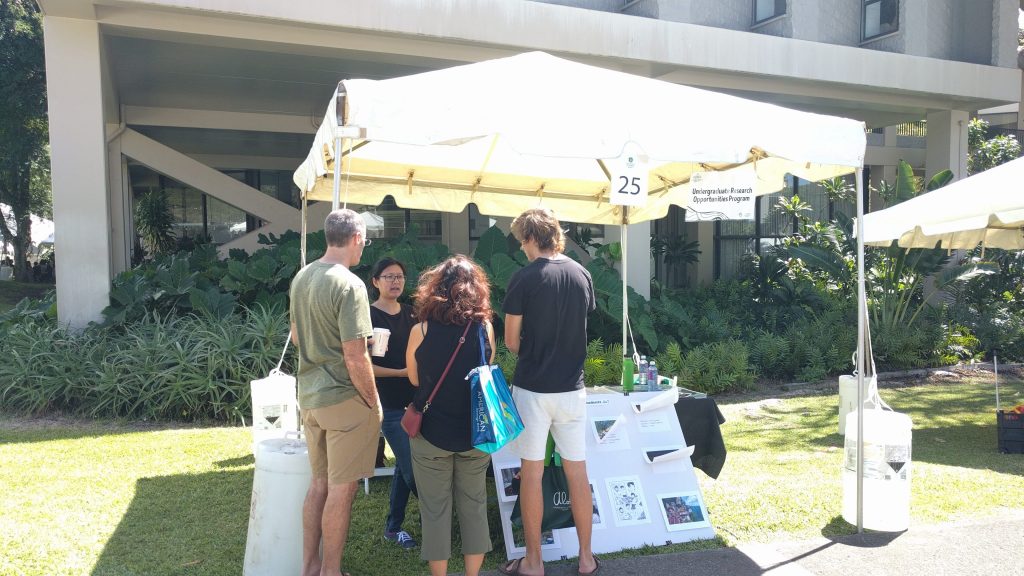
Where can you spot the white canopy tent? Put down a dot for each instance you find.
(532, 129)
(986, 209)
(535, 130)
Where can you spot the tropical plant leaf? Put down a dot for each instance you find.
(906, 182)
(502, 267)
(212, 302)
(816, 258)
(939, 180)
(491, 242)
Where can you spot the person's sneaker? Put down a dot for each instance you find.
(402, 538)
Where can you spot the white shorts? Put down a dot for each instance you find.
(564, 414)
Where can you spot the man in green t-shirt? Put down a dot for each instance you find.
(341, 415)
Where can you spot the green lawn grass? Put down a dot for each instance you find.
(107, 498)
(12, 292)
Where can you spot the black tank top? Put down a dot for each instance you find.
(447, 423)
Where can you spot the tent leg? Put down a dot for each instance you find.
(336, 198)
(302, 241)
(625, 306)
(862, 318)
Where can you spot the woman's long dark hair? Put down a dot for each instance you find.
(455, 291)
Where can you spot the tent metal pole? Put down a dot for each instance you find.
(625, 259)
(339, 122)
(862, 318)
(302, 241)
(336, 197)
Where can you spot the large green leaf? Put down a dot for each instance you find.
(491, 242)
(176, 278)
(906, 182)
(606, 279)
(963, 273)
(940, 180)
(832, 263)
(212, 302)
(502, 268)
(262, 268)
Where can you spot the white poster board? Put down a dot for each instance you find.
(643, 483)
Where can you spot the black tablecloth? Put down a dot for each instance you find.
(701, 422)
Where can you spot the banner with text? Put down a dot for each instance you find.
(721, 196)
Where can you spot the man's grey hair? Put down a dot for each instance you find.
(341, 225)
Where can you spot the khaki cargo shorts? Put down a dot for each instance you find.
(342, 440)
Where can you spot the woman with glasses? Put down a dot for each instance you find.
(394, 388)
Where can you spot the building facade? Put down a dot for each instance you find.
(215, 102)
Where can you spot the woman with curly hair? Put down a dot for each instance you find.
(453, 299)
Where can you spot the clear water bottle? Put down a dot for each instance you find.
(652, 374)
(642, 371)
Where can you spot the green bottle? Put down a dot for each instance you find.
(627, 373)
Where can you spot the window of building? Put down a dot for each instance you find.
(395, 221)
(765, 10)
(881, 17)
(736, 240)
(478, 223)
(671, 241)
(198, 215)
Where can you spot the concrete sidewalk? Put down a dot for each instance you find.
(987, 547)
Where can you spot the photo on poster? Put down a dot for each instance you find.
(683, 511)
(595, 500)
(626, 501)
(655, 454)
(508, 483)
(548, 538)
(604, 427)
(610, 432)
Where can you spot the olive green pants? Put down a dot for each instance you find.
(444, 477)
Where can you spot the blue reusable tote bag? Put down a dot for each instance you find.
(493, 413)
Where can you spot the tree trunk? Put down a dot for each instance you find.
(22, 240)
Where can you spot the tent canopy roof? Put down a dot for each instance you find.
(531, 129)
(987, 208)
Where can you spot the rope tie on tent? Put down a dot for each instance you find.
(666, 185)
(408, 181)
(629, 328)
(600, 196)
(540, 192)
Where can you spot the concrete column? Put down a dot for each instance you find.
(455, 231)
(121, 221)
(706, 265)
(947, 143)
(78, 160)
(638, 273)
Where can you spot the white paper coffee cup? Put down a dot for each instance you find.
(380, 341)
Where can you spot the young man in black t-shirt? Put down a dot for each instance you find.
(546, 309)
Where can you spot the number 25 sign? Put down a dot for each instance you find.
(629, 177)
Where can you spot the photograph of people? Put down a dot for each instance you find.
(451, 298)
(394, 388)
(682, 511)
